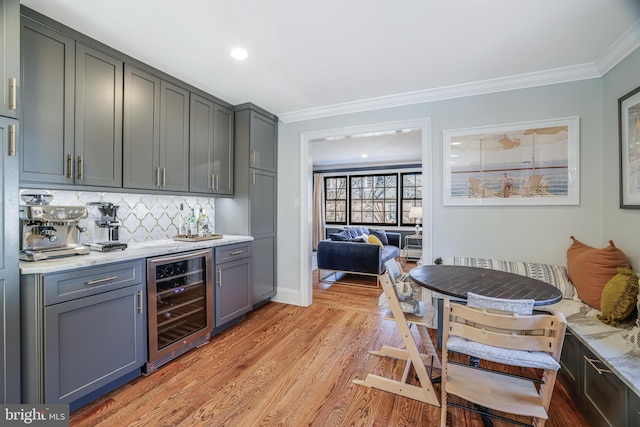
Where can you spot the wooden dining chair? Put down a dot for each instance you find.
(420, 361)
(506, 338)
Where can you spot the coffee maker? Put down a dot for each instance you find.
(104, 227)
(49, 231)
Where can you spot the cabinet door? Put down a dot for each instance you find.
(604, 395)
(263, 263)
(92, 341)
(211, 147)
(174, 138)
(570, 361)
(10, 56)
(634, 409)
(141, 139)
(201, 145)
(223, 150)
(233, 297)
(9, 276)
(48, 78)
(98, 135)
(262, 194)
(263, 143)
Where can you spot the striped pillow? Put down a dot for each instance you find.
(555, 275)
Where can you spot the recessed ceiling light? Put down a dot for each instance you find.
(364, 156)
(239, 53)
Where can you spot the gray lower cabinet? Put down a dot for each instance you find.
(9, 275)
(601, 396)
(210, 147)
(84, 332)
(156, 133)
(10, 57)
(232, 282)
(634, 409)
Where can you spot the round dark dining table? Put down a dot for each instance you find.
(457, 280)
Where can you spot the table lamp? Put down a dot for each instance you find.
(416, 212)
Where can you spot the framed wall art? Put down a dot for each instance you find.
(629, 130)
(529, 163)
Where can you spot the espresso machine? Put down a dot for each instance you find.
(104, 227)
(49, 231)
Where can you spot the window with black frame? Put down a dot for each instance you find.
(373, 199)
(335, 199)
(411, 196)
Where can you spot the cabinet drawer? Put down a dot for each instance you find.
(232, 252)
(604, 395)
(83, 282)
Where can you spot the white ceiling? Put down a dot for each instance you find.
(310, 59)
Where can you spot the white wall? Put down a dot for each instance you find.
(620, 225)
(532, 233)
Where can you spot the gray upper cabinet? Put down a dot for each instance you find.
(98, 133)
(71, 109)
(156, 133)
(9, 275)
(263, 143)
(211, 147)
(10, 55)
(47, 108)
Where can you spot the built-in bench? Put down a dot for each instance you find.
(599, 365)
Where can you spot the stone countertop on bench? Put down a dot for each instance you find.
(607, 342)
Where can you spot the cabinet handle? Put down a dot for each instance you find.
(69, 166)
(213, 179)
(158, 176)
(104, 279)
(140, 307)
(12, 140)
(236, 252)
(253, 157)
(253, 178)
(219, 271)
(593, 362)
(13, 94)
(164, 177)
(217, 181)
(80, 167)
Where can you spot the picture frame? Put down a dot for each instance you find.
(516, 164)
(629, 133)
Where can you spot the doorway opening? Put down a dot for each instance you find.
(423, 125)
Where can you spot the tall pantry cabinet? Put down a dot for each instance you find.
(9, 238)
(252, 210)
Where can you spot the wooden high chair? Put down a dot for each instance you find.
(424, 392)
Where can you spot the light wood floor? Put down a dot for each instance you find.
(287, 366)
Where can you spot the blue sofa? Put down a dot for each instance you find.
(353, 255)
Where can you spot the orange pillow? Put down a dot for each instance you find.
(590, 269)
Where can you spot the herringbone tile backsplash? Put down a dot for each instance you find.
(143, 216)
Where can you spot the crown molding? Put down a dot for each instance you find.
(619, 50)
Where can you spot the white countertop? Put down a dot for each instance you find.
(609, 343)
(133, 251)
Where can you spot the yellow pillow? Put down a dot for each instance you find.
(374, 239)
(619, 297)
